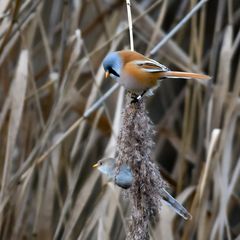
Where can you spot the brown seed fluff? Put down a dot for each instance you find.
(135, 144)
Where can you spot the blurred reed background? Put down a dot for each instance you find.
(50, 73)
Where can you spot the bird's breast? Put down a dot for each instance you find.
(132, 78)
(130, 83)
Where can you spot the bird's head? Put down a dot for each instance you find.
(106, 166)
(112, 65)
(123, 178)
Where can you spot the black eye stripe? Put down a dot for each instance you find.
(113, 72)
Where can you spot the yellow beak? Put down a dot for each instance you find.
(95, 165)
(106, 74)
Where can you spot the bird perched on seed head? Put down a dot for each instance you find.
(138, 73)
(124, 179)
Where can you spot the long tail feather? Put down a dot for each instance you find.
(187, 75)
(175, 205)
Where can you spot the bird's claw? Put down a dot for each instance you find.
(136, 98)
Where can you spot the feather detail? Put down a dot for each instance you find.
(150, 66)
(186, 75)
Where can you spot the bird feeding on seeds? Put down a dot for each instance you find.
(124, 179)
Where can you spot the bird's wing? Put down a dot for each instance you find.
(124, 178)
(150, 66)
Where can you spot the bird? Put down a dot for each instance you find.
(138, 74)
(124, 179)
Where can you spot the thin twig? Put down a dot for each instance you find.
(130, 24)
(213, 142)
(135, 20)
(177, 27)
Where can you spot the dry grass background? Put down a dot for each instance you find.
(51, 73)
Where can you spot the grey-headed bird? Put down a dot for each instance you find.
(136, 72)
(124, 179)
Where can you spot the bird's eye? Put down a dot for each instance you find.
(100, 163)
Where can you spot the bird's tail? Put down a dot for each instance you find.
(186, 75)
(175, 205)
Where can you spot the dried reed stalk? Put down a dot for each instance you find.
(63, 197)
(135, 144)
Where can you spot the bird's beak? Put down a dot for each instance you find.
(95, 165)
(106, 74)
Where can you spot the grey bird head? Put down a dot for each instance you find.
(112, 65)
(107, 166)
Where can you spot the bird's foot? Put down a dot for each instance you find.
(135, 98)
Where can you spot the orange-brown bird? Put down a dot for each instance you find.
(138, 73)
